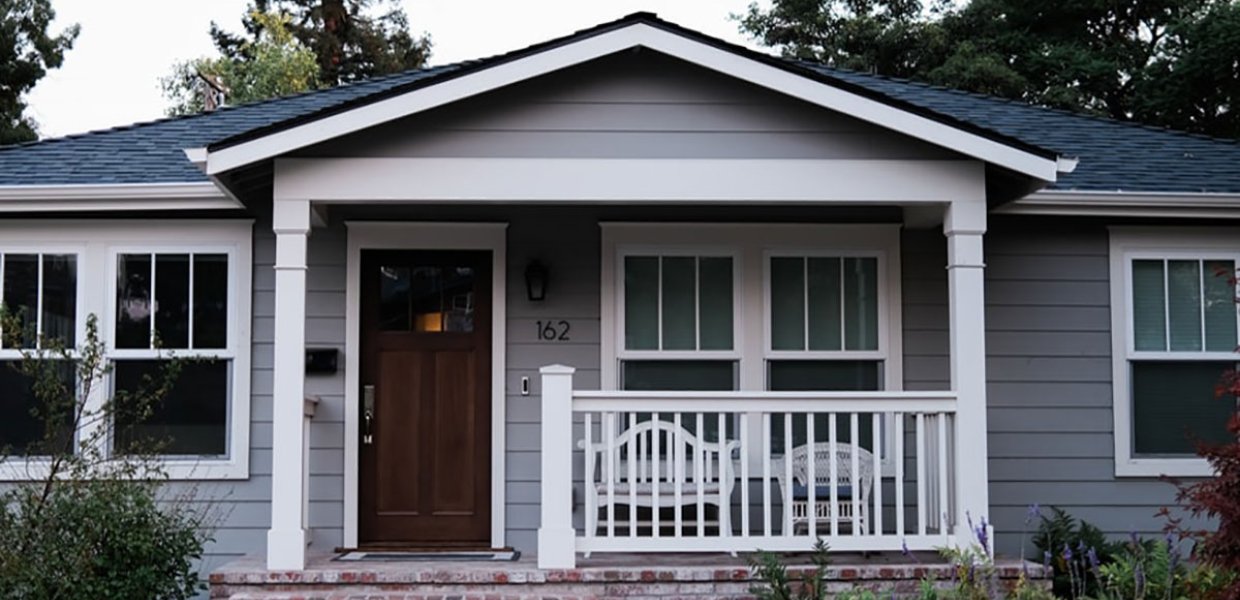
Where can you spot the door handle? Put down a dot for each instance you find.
(368, 414)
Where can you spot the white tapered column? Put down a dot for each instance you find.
(286, 540)
(965, 225)
(556, 537)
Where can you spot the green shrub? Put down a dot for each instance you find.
(1060, 530)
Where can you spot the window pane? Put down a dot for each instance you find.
(679, 375)
(21, 298)
(1149, 312)
(1220, 305)
(133, 301)
(210, 300)
(679, 303)
(715, 302)
(641, 303)
(192, 420)
(172, 300)
(821, 376)
(787, 303)
(1173, 401)
(860, 304)
(1184, 304)
(24, 421)
(60, 298)
(824, 303)
(440, 298)
(394, 299)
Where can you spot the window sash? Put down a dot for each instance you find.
(153, 286)
(660, 350)
(1131, 300)
(41, 255)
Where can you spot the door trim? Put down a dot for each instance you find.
(369, 235)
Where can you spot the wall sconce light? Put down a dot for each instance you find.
(536, 277)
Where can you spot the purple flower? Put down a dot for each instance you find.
(1132, 537)
(1067, 553)
(904, 548)
(1035, 511)
(982, 536)
(1092, 556)
(1046, 559)
(1139, 581)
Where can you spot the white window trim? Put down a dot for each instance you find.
(1127, 243)
(97, 243)
(752, 245)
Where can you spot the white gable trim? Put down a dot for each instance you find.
(114, 197)
(596, 46)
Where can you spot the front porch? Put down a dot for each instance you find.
(623, 575)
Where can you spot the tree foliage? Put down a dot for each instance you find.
(27, 51)
(277, 65)
(1163, 62)
(350, 39)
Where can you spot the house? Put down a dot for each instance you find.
(591, 295)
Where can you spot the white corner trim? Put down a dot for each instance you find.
(1125, 204)
(367, 235)
(1066, 164)
(1166, 241)
(202, 195)
(659, 40)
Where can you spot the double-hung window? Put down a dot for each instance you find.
(752, 307)
(162, 290)
(1174, 335)
(39, 292)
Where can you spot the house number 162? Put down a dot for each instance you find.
(554, 331)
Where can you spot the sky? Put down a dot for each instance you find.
(111, 76)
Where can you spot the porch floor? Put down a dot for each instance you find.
(600, 576)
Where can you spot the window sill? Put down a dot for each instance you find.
(13, 470)
(1157, 467)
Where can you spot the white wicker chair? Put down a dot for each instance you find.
(846, 485)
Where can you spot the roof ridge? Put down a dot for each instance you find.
(1017, 102)
(232, 108)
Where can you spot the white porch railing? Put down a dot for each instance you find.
(709, 471)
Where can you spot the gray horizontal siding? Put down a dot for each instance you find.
(631, 107)
(1049, 369)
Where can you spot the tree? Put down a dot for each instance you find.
(1161, 62)
(349, 40)
(278, 65)
(27, 51)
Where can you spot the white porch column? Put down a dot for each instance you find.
(286, 540)
(556, 537)
(964, 225)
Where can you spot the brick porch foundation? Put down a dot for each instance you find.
(613, 576)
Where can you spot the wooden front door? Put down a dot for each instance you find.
(425, 472)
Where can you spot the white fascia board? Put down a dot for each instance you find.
(115, 197)
(659, 40)
(1125, 204)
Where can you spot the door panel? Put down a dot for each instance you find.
(425, 473)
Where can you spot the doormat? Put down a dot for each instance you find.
(427, 556)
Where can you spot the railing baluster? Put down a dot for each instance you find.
(788, 530)
(767, 517)
(678, 466)
(876, 517)
(833, 462)
(724, 477)
(640, 458)
(744, 458)
(699, 472)
(632, 464)
(921, 473)
(899, 481)
(610, 436)
(656, 483)
(591, 509)
(854, 497)
(811, 476)
(942, 467)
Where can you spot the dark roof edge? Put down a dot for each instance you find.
(654, 21)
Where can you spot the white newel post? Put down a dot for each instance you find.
(965, 226)
(556, 537)
(286, 540)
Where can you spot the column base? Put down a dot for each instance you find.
(286, 550)
(557, 548)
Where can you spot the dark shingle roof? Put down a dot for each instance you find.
(1113, 155)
